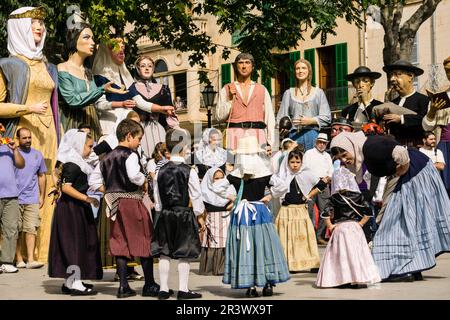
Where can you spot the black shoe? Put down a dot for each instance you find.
(150, 290)
(417, 276)
(164, 295)
(409, 277)
(267, 290)
(85, 292)
(182, 295)
(125, 292)
(66, 290)
(252, 293)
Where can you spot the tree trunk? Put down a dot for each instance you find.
(399, 40)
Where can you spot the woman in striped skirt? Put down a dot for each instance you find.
(415, 228)
(218, 196)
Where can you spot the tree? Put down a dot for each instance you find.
(265, 25)
(399, 38)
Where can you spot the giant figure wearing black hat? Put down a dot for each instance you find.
(407, 129)
(360, 112)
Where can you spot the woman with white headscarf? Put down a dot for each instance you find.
(28, 98)
(209, 153)
(254, 256)
(109, 65)
(74, 242)
(218, 196)
(416, 222)
(295, 186)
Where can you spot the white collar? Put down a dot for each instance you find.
(177, 159)
(409, 95)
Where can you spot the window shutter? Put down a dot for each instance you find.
(226, 73)
(341, 73)
(310, 55)
(293, 57)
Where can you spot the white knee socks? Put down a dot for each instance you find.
(183, 274)
(164, 268)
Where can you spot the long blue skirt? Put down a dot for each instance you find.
(253, 254)
(415, 227)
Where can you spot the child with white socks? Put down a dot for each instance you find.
(176, 234)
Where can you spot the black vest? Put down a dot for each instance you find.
(114, 171)
(173, 185)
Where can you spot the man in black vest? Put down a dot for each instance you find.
(407, 129)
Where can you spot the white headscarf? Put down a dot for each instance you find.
(104, 66)
(281, 181)
(216, 193)
(206, 155)
(71, 149)
(255, 165)
(353, 143)
(20, 37)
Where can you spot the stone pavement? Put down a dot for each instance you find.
(35, 284)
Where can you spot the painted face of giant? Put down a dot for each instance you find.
(86, 43)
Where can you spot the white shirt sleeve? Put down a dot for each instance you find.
(142, 104)
(269, 118)
(195, 193)
(102, 104)
(151, 166)
(223, 106)
(156, 197)
(134, 170)
(95, 179)
(440, 156)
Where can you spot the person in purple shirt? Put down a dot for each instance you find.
(31, 184)
(10, 158)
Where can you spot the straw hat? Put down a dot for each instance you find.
(248, 145)
(322, 137)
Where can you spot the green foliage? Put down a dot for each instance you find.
(265, 25)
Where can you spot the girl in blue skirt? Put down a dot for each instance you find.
(253, 256)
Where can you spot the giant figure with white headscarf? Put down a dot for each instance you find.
(28, 98)
(109, 65)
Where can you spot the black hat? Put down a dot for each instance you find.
(403, 65)
(363, 71)
(285, 123)
(341, 121)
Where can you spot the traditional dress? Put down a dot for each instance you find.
(416, 223)
(252, 117)
(26, 79)
(77, 102)
(145, 93)
(358, 113)
(131, 226)
(410, 130)
(316, 106)
(74, 239)
(347, 258)
(106, 70)
(254, 255)
(205, 157)
(215, 196)
(293, 224)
